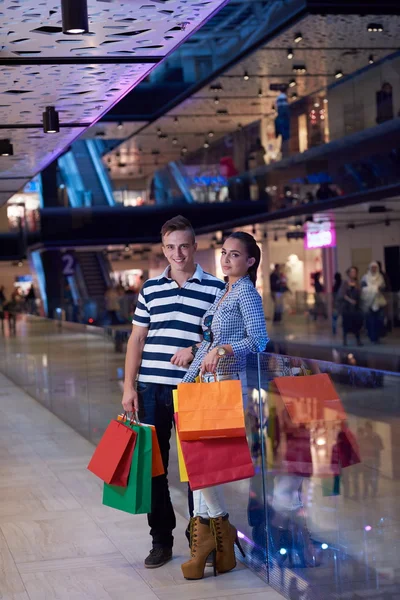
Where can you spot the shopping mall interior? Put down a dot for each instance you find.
(278, 118)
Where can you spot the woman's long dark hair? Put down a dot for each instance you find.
(252, 249)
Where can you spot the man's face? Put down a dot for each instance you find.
(179, 249)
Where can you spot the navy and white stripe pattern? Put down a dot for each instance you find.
(173, 315)
(239, 321)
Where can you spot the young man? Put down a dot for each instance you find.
(166, 331)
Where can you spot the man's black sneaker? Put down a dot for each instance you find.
(158, 557)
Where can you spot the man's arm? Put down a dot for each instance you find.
(133, 359)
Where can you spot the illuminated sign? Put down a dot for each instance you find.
(320, 235)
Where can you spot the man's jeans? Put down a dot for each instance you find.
(156, 408)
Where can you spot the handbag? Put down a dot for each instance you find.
(136, 497)
(211, 410)
(112, 458)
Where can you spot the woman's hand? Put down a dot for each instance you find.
(210, 362)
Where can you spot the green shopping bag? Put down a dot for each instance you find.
(136, 497)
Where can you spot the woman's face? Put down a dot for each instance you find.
(374, 269)
(234, 260)
(353, 273)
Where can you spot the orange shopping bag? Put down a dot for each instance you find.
(211, 410)
(181, 462)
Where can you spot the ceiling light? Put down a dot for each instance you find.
(371, 59)
(74, 16)
(290, 53)
(184, 150)
(210, 134)
(246, 76)
(176, 119)
(325, 100)
(216, 100)
(216, 87)
(174, 141)
(120, 125)
(294, 95)
(316, 104)
(351, 226)
(375, 27)
(338, 74)
(222, 111)
(206, 144)
(158, 132)
(6, 148)
(51, 123)
(300, 69)
(275, 237)
(298, 37)
(292, 83)
(260, 93)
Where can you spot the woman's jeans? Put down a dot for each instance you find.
(210, 502)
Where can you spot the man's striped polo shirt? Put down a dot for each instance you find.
(173, 315)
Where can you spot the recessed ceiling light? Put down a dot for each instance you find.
(371, 59)
(375, 27)
(184, 150)
(210, 134)
(260, 93)
(325, 100)
(246, 76)
(74, 14)
(298, 37)
(216, 100)
(174, 141)
(300, 69)
(290, 53)
(292, 83)
(338, 74)
(120, 125)
(206, 144)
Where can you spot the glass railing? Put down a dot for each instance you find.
(320, 519)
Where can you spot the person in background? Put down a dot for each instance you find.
(335, 292)
(275, 285)
(319, 304)
(2, 304)
(165, 335)
(112, 301)
(31, 301)
(349, 302)
(387, 313)
(373, 299)
(13, 307)
(233, 327)
(371, 446)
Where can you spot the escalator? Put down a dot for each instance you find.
(93, 280)
(85, 176)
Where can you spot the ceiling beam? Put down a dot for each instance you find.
(79, 60)
(40, 125)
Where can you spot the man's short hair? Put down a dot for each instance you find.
(177, 223)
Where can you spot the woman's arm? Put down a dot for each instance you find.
(256, 336)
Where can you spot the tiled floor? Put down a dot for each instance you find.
(57, 541)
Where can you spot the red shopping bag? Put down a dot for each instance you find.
(112, 459)
(216, 460)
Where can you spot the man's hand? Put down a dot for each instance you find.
(130, 400)
(182, 358)
(210, 362)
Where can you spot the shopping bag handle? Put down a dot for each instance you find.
(201, 377)
(133, 419)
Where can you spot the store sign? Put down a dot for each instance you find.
(320, 235)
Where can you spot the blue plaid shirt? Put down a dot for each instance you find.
(239, 321)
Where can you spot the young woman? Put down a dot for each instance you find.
(349, 299)
(233, 327)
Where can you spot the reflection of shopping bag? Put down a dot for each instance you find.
(136, 497)
(216, 461)
(181, 462)
(112, 458)
(210, 410)
(310, 399)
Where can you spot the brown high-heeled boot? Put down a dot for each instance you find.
(202, 543)
(225, 539)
